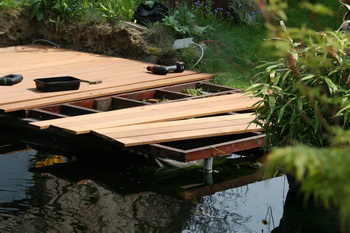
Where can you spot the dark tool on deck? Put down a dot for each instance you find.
(178, 67)
(10, 79)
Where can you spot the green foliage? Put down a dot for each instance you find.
(64, 9)
(121, 9)
(305, 103)
(184, 22)
(127, 8)
(246, 12)
(205, 10)
(305, 92)
(12, 5)
(38, 8)
(80, 10)
(298, 15)
(193, 91)
(231, 52)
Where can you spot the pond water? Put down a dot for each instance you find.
(89, 197)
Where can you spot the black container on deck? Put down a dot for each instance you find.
(63, 83)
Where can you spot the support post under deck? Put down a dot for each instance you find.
(208, 165)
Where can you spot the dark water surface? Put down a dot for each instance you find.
(81, 197)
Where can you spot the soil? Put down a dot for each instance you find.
(127, 40)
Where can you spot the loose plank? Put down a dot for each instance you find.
(160, 116)
(176, 126)
(185, 135)
(125, 113)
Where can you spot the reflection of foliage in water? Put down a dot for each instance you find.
(62, 206)
(214, 214)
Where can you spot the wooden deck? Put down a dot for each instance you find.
(112, 123)
(118, 75)
(195, 118)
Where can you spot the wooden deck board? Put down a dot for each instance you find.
(152, 113)
(72, 95)
(163, 107)
(118, 75)
(142, 125)
(228, 129)
(81, 129)
(118, 80)
(176, 126)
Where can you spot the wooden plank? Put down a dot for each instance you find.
(36, 61)
(68, 67)
(163, 107)
(109, 79)
(186, 135)
(158, 116)
(176, 126)
(186, 107)
(136, 129)
(72, 95)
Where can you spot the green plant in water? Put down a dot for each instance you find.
(305, 103)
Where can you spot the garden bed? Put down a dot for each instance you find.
(123, 40)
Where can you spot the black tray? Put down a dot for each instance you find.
(63, 83)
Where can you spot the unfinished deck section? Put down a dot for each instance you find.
(163, 122)
(143, 134)
(118, 75)
(223, 119)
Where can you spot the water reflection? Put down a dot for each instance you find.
(85, 197)
(241, 209)
(15, 179)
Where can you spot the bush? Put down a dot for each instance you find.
(306, 91)
(305, 103)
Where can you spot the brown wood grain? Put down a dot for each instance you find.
(187, 134)
(179, 110)
(118, 75)
(176, 126)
